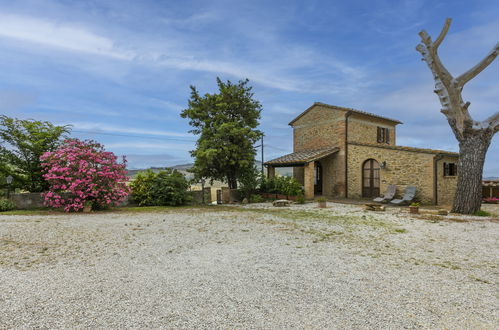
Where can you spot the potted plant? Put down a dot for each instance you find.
(87, 207)
(322, 202)
(414, 208)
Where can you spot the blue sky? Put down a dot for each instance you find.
(119, 71)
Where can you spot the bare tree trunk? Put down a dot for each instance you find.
(474, 136)
(472, 150)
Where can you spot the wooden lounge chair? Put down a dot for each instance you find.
(388, 196)
(410, 192)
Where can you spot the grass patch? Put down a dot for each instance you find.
(341, 220)
(480, 280)
(36, 211)
(482, 213)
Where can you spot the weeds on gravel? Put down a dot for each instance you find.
(482, 213)
(447, 264)
(342, 220)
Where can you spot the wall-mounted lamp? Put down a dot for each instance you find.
(383, 165)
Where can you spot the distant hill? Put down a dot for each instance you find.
(284, 171)
(490, 178)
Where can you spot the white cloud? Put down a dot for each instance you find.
(147, 146)
(177, 53)
(58, 35)
(105, 128)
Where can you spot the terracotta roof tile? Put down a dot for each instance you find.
(302, 157)
(345, 109)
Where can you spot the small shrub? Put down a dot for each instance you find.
(415, 204)
(300, 199)
(282, 185)
(6, 205)
(256, 199)
(321, 199)
(142, 188)
(165, 188)
(482, 213)
(249, 182)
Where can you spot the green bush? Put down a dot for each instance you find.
(249, 181)
(257, 199)
(6, 205)
(482, 213)
(284, 185)
(165, 188)
(300, 199)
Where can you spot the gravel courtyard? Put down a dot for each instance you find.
(249, 267)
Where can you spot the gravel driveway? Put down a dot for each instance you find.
(251, 267)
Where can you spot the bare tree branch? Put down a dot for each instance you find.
(492, 122)
(474, 71)
(442, 33)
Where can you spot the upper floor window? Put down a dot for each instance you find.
(383, 135)
(450, 169)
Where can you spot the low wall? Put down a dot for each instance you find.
(230, 195)
(27, 200)
(197, 196)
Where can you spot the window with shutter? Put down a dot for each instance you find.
(383, 135)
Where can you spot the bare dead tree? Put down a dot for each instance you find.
(474, 137)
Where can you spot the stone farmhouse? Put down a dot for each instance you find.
(346, 153)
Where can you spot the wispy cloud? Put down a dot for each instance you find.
(271, 72)
(58, 35)
(106, 128)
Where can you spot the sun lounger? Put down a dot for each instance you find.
(410, 192)
(388, 196)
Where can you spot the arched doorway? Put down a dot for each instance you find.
(370, 178)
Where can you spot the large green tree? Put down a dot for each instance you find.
(226, 123)
(22, 142)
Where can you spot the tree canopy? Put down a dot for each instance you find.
(226, 123)
(22, 142)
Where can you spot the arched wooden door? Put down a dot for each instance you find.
(370, 178)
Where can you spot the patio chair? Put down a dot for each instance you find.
(388, 196)
(410, 192)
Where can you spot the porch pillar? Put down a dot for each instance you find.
(270, 172)
(308, 181)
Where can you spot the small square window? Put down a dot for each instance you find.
(450, 169)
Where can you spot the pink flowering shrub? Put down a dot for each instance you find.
(82, 172)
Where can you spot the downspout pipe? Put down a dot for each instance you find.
(435, 176)
(346, 152)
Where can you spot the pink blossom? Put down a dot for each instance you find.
(84, 171)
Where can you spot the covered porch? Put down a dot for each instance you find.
(307, 169)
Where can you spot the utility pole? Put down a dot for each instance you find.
(263, 174)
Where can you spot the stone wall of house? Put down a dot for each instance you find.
(298, 174)
(446, 184)
(319, 128)
(333, 175)
(365, 130)
(403, 168)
